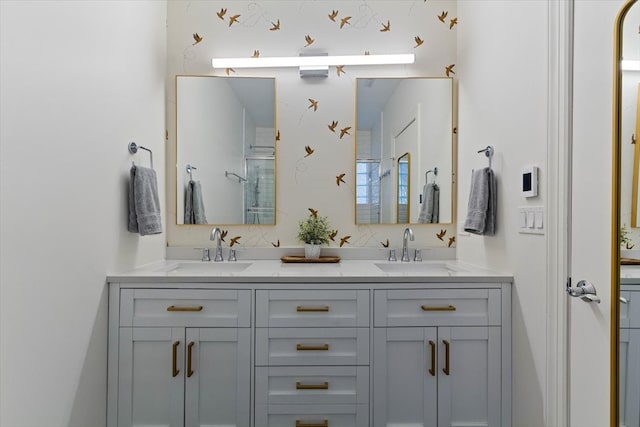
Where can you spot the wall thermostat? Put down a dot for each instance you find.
(530, 181)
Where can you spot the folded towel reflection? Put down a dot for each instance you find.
(193, 204)
(430, 208)
(483, 203)
(144, 205)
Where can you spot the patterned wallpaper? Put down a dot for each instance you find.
(315, 116)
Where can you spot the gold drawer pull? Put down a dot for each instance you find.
(299, 423)
(174, 359)
(192, 308)
(439, 308)
(432, 369)
(302, 309)
(323, 386)
(301, 347)
(446, 357)
(189, 361)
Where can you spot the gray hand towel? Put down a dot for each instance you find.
(194, 205)
(479, 202)
(144, 204)
(429, 211)
(435, 200)
(492, 207)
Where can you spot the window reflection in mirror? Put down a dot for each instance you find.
(226, 131)
(403, 195)
(397, 116)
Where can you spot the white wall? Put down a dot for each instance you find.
(502, 101)
(78, 81)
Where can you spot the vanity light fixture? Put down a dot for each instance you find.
(316, 61)
(629, 65)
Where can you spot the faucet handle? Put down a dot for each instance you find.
(418, 256)
(232, 255)
(392, 255)
(205, 254)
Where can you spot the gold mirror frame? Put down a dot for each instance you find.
(615, 229)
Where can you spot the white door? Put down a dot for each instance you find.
(591, 194)
(217, 377)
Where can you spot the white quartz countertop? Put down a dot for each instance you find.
(630, 274)
(275, 271)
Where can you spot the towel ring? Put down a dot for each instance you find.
(190, 169)
(133, 149)
(488, 152)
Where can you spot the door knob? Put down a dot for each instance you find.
(584, 290)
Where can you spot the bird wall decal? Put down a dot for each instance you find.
(221, 13)
(197, 38)
(344, 21)
(453, 23)
(234, 19)
(385, 244)
(230, 70)
(314, 212)
(256, 54)
(309, 150)
(278, 135)
(344, 131)
(443, 16)
(276, 245)
(339, 179)
(235, 240)
(449, 69)
(332, 235)
(340, 69)
(309, 40)
(275, 26)
(344, 240)
(314, 104)
(452, 240)
(223, 234)
(419, 41)
(332, 126)
(333, 15)
(441, 234)
(386, 28)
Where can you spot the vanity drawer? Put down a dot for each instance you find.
(323, 308)
(312, 385)
(437, 307)
(312, 416)
(312, 346)
(630, 312)
(188, 307)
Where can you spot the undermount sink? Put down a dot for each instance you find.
(208, 267)
(418, 267)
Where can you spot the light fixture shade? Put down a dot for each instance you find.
(312, 61)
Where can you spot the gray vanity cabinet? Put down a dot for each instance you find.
(183, 358)
(441, 358)
(630, 356)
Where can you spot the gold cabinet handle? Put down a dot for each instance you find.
(438, 308)
(325, 423)
(303, 309)
(323, 386)
(185, 308)
(446, 357)
(189, 366)
(432, 369)
(175, 369)
(301, 347)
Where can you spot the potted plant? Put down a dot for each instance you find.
(314, 231)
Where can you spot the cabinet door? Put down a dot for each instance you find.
(217, 376)
(629, 377)
(405, 377)
(150, 377)
(469, 390)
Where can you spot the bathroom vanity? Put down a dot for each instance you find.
(629, 374)
(266, 344)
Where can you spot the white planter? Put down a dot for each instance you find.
(311, 251)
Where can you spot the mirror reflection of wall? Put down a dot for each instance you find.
(397, 116)
(403, 198)
(226, 129)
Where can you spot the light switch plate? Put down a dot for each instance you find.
(531, 219)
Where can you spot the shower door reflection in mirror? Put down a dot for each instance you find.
(226, 132)
(396, 116)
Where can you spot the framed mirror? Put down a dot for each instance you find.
(625, 296)
(225, 150)
(396, 117)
